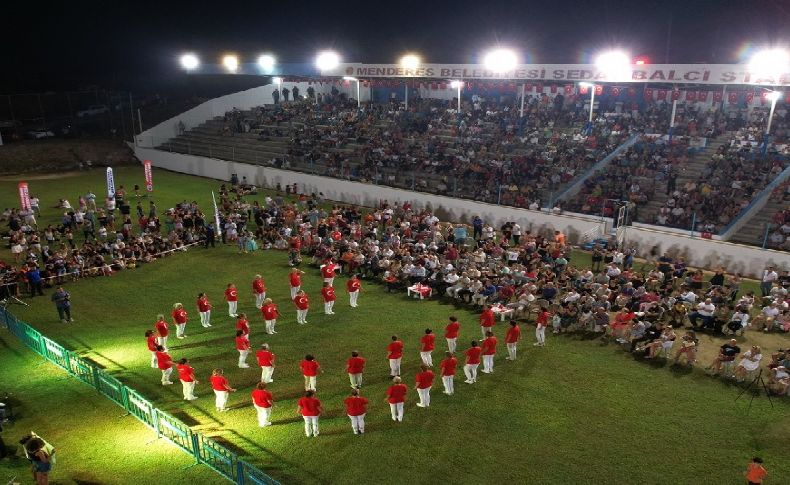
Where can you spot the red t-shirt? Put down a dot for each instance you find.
(269, 311)
(243, 325)
(296, 279)
(161, 327)
(513, 335)
(355, 365)
(356, 405)
(397, 393)
(473, 355)
(301, 302)
(487, 318)
(448, 366)
(258, 286)
(309, 368)
(543, 319)
(451, 330)
(231, 294)
(163, 360)
(395, 350)
(242, 343)
(427, 342)
(265, 358)
(262, 398)
(151, 343)
(179, 316)
(185, 372)
(328, 271)
(203, 305)
(489, 346)
(309, 406)
(353, 285)
(328, 293)
(424, 379)
(219, 383)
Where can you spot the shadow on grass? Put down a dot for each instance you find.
(281, 462)
(223, 341)
(8, 348)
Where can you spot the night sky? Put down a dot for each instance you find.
(128, 44)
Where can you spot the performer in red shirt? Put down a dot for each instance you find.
(451, 333)
(243, 346)
(259, 290)
(394, 354)
(165, 364)
(310, 408)
(221, 389)
(161, 328)
(328, 272)
(270, 314)
(302, 303)
(448, 366)
(186, 374)
(354, 366)
(243, 324)
(310, 369)
(424, 382)
(541, 322)
(427, 344)
(262, 401)
(265, 359)
(179, 319)
(489, 349)
(232, 297)
(486, 320)
(151, 338)
(295, 278)
(329, 298)
(204, 309)
(356, 408)
(354, 286)
(396, 397)
(512, 337)
(472, 361)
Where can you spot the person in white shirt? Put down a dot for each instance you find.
(705, 312)
(516, 232)
(768, 316)
(689, 297)
(767, 282)
(750, 362)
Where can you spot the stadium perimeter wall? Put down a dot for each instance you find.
(704, 253)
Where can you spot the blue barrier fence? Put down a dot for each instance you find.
(203, 449)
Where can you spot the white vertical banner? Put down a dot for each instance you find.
(216, 214)
(149, 179)
(110, 184)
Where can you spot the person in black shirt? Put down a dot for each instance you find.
(718, 278)
(652, 333)
(727, 353)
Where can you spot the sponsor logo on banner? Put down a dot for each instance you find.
(24, 196)
(149, 179)
(110, 183)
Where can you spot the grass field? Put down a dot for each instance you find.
(573, 411)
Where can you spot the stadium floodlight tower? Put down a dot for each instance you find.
(500, 60)
(327, 60)
(409, 62)
(615, 65)
(591, 87)
(190, 62)
(774, 97)
(458, 85)
(266, 62)
(350, 78)
(767, 66)
(230, 62)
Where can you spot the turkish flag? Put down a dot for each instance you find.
(615, 91)
(787, 98)
(764, 97)
(661, 94)
(553, 88)
(568, 89)
(631, 92)
(442, 85)
(717, 96)
(732, 97)
(583, 89)
(691, 95)
(527, 88)
(750, 97)
(675, 95)
(649, 93)
(598, 89)
(702, 96)
(434, 86)
(539, 88)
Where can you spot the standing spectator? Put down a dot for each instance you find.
(276, 96)
(328, 294)
(37, 452)
(179, 320)
(285, 94)
(767, 282)
(262, 401)
(486, 320)
(396, 397)
(394, 355)
(541, 322)
(165, 363)
(755, 472)
(259, 290)
(310, 408)
(472, 362)
(266, 358)
(295, 92)
(310, 369)
(62, 300)
(186, 374)
(451, 333)
(355, 366)
(232, 297)
(151, 337)
(221, 389)
(302, 303)
(33, 276)
(243, 346)
(489, 350)
(512, 337)
(204, 309)
(356, 408)
(427, 344)
(270, 313)
(448, 366)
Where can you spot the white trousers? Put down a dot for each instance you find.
(427, 359)
(259, 297)
(483, 330)
(162, 341)
(394, 367)
(358, 423)
(263, 415)
(301, 316)
(309, 383)
(451, 344)
(180, 329)
(221, 399)
(425, 396)
(352, 298)
(153, 360)
(266, 373)
(470, 371)
(328, 307)
(356, 379)
(488, 363)
(331, 281)
(294, 291)
(205, 318)
(166, 375)
(189, 389)
(232, 307)
(310, 425)
(270, 326)
(243, 358)
(449, 384)
(511, 350)
(540, 335)
(397, 411)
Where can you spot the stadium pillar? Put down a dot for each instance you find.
(693, 223)
(765, 237)
(406, 96)
(767, 137)
(521, 109)
(672, 118)
(592, 106)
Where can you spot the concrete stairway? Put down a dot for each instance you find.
(753, 231)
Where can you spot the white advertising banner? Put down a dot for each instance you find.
(110, 184)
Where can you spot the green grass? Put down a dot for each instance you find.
(575, 411)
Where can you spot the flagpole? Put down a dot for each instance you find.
(216, 213)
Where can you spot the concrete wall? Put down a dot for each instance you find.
(698, 252)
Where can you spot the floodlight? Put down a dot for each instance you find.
(349, 78)
(267, 62)
(500, 60)
(231, 62)
(410, 61)
(616, 65)
(189, 61)
(774, 95)
(770, 61)
(327, 60)
(277, 80)
(586, 85)
(456, 84)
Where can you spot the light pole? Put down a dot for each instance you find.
(409, 62)
(672, 118)
(458, 85)
(774, 97)
(349, 78)
(591, 87)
